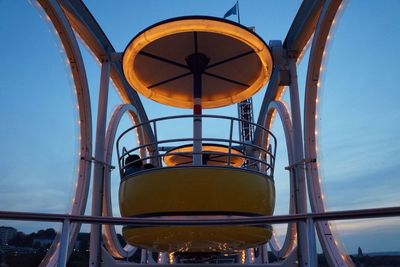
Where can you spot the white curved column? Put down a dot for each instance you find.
(333, 254)
(110, 237)
(99, 166)
(75, 62)
(291, 233)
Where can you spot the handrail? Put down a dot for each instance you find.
(309, 219)
(264, 157)
(257, 220)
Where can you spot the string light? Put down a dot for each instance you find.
(171, 258)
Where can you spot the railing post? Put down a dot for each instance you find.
(230, 142)
(157, 152)
(312, 249)
(63, 253)
(143, 256)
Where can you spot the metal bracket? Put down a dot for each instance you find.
(93, 159)
(300, 162)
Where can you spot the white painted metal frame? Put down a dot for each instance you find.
(70, 45)
(278, 107)
(333, 254)
(318, 14)
(99, 166)
(110, 237)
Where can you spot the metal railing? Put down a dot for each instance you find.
(309, 219)
(260, 158)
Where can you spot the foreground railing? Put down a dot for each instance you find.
(309, 219)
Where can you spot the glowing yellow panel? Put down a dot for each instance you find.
(214, 155)
(197, 238)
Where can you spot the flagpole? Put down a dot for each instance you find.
(237, 5)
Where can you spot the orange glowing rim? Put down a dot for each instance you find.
(237, 157)
(200, 24)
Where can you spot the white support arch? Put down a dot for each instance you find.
(278, 107)
(85, 25)
(110, 237)
(333, 254)
(70, 45)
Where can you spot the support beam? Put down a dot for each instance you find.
(74, 58)
(63, 254)
(303, 26)
(298, 170)
(98, 173)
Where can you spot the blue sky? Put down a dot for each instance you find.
(359, 115)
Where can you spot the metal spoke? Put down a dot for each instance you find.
(163, 59)
(169, 80)
(226, 79)
(230, 59)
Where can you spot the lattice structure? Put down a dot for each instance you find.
(245, 112)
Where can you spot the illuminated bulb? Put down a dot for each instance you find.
(318, 84)
(171, 258)
(321, 68)
(243, 256)
(316, 132)
(316, 100)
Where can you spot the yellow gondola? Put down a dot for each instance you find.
(224, 63)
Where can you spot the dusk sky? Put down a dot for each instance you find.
(359, 111)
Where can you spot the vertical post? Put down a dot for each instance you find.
(312, 249)
(197, 63)
(238, 14)
(298, 171)
(143, 256)
(230, 142)
(157, 161)
(265, 258)
(98, 173)
(63, 253)
(197, 120)
(162, 258)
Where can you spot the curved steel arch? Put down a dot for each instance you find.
(290, 239)
(61, 24)
(110, 236)
(328, 13)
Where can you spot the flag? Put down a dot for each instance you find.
(232, 11)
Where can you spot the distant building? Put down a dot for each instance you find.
(6, 234)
